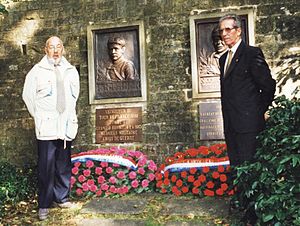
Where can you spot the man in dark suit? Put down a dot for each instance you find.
(247, 90)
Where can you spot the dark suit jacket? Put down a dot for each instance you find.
(247, 90)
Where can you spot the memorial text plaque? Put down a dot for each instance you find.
(119, 125)
(211, 121)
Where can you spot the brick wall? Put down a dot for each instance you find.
(171, 117)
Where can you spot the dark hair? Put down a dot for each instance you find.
(236, 18)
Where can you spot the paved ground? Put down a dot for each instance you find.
(147, 209)
(166, 210)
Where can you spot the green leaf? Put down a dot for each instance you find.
(267, 218)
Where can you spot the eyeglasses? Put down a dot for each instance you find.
(59, 47)
(227, 29)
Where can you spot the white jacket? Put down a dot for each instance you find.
(39, 95)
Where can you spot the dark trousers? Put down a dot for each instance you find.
(54, 172)
(241, 147)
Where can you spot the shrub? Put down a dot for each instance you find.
(15, 184)
(271, 183)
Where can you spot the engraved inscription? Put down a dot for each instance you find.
(211, 121)
(119, 125)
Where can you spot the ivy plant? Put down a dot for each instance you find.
(272, 181)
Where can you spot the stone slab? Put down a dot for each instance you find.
(196, 207)
(115, 206)
(109, 222)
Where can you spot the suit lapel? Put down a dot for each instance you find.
(235, 59)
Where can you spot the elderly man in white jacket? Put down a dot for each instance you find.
(50, 93)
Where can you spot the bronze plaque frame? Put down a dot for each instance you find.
(105, 91)
(200, 33)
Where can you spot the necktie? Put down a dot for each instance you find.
(61, 99)
(229, 60)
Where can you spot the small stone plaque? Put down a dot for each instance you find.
(211, 121)
(119, 125)
(209, 84)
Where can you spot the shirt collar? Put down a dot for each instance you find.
(236, 45)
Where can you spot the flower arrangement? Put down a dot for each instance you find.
(202, 171)
(111, 172)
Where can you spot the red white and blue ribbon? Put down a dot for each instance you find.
(194, 163)
(117, 159)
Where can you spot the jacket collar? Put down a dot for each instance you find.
(44, 63)
(235, 59)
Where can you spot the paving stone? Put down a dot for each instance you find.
(115, 206)
(197, 207)
(109, 222)
(192, 223)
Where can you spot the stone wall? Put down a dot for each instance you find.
(170, 117)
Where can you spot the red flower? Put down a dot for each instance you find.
(210, 184)
(215, 174)
(208, 192)
(219, 191)
(192, 152)
(159, 184)
(221, 169)
(176, 191)
(223, 177)
(173, 178)
(195, 191)
(202, 178)
(231, 192)
(158, 176)
(166, 181)
(179, 183)
(193, 170)
(191, 178)
(169, 160)
(205, 169)
(179, 155)
(166, 174)
(203, 150)
(183, 174)
(224, 186)
(197, 183)
(185, 189)
(163, 190)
